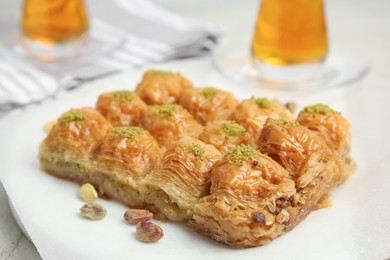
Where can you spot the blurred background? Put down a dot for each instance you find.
(358, 27)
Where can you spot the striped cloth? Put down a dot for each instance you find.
(124, 34)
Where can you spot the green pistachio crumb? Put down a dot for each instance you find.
(127, 131)
(74, 166)
(241, 153)
(319, 109)
(195, 149)
(71, 116)
(124, 95)
(264, 103)
(209, 93)
(231, 128)
(162, 72)
(163, 111)
(283, 122)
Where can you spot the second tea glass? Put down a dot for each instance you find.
(289, 50)
(290, 39)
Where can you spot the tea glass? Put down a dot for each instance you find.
(290, 39)
(54, 29)
(290, 50)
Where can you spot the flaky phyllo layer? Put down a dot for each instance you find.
(242, 173)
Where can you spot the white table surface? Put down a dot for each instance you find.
(357, 27)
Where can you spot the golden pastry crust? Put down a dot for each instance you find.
(126, 156)
(70, 144)
(129, 151)
(208, 104)
(309, 161)
(117, 162)
(301, 152)
(335, 130)
(121, 108)
(241, 210)
(224, 135)
(252, 114)
(76, 134)
(162, 87)
(181, 179)
(233, 218)
(329, 124)
(169, 123)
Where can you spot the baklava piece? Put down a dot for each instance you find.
(181, 179)
(224, 135)
(208, 104)
(241, 210)
(252, 114)
(335, 130)
(300, 151)
(159, 87)
(67, 149)
(307, 158)
(256, 198)
(121, 108)
(169, 123)
(126, 156)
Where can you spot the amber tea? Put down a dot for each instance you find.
(290, 32)
(53, 29)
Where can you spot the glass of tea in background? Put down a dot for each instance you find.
(54, 29)
(290, 39)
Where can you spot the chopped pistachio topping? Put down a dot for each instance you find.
(71, 116)
(162, 72)
(319, 109)
(164, 111)
(127, 131)
(284, 122)
(195, 149)
(209, 93)
(124, 95)
(241, 153)
(231, 128)
(264, 103)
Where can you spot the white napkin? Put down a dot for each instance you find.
(124, 34)
(152, 34)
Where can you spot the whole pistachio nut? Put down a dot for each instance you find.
(48, 126)
(149, 232)
(134, 216)
(93, 210)
(87, 192)
(291, 106)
